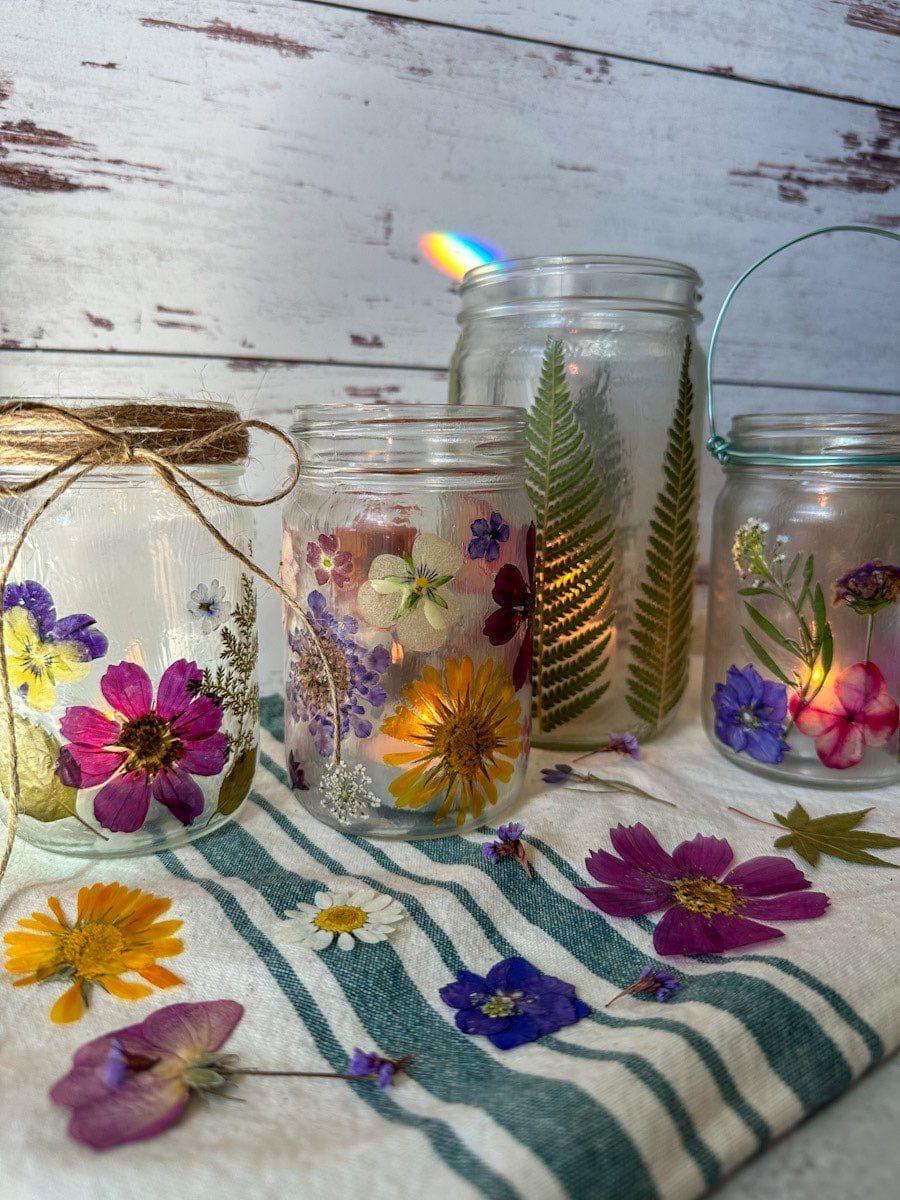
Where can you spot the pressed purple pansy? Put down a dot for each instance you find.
(707, 911)
(514, 596)
(513, 1004)
(136, 1082)
(78, 628)
(144, 748)
(488, 537)
(751, 713)
(328, 561)
(356, 669)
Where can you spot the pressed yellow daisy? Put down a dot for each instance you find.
(467, 730)
(116, 931)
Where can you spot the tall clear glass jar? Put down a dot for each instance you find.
(131, 645)
(601, 351)
(802, 674)
(409, 544)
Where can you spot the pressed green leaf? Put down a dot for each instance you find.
(573, 553)
(771, 630)
(835, 835)
(42, 794)
(660, 637)
(765, 657)
(236, 783)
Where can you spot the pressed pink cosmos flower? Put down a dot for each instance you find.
(328, 562)
(856, 712)
(145, 749)
(707, 911)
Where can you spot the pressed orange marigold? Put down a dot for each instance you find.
(466, 726)
(116, 931)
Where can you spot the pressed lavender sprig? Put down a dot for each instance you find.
(565, 773)
(659, 983)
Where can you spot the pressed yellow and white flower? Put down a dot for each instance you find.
(116, 931)
(412, 594)
(38, 664)
(466, 726)
(347, 917)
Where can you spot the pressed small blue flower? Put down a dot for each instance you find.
(625, 743)
(513, 1004)
(488, 537)
(366, 1065)
(561, 773)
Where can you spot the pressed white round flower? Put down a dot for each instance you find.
(346, 917)
(347, 792)
(207, 605)
(412, 594)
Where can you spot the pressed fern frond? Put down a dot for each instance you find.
(660, 637)
(573, 559)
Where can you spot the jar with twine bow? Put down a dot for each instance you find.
(129, 704)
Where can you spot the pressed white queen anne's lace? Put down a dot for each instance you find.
(347, 792)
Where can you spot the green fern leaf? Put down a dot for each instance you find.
(660, 638)
(573, 554)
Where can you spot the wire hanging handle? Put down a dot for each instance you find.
(717, 445)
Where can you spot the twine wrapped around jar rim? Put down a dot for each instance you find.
(164, 437)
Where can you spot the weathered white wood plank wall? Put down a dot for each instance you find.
(230, 194)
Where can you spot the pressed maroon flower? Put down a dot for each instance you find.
(707, 911)
(514, 596)
(329, 561)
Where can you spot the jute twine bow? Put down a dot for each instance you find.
(33, 431)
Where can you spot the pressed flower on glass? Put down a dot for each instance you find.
(426, 629)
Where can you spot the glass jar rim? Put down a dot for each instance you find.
(327, 418)
(813, 439)
(636, 264)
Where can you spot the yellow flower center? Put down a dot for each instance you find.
(502, 1004)
(466, 743)
(421, 584)
(91, 949)
(707, 896)
(341, 918)
(151, 743)
(38, 657)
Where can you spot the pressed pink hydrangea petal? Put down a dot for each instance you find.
(702, 855)
(180, 793)
(814, 719)
(89, 727)
(206, 757)
(122, 804)
(640, 849)
(841, 746)
(127, 688)
(767, 875)
(793, 906)
(858, 687)
(174, 692)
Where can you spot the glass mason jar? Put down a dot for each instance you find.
(601, 351)
(802, 672)
(131, 644)
(409, 544)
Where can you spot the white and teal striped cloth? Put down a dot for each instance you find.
(641, 1101)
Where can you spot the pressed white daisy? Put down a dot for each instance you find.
(345, 916)
(206, 605)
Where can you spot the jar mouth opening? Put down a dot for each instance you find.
(626, 263)
(803, 438)
(384, 419)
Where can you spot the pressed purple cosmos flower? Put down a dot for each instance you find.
(868, 588)
(135, 1083)
(363, 1065)
(297, 774)
(660, 984)
(514, 596)
(357, 674)
(329, 561)
(144, 748)
(488, 537)
(624, 743)
(561, 773)
(508, 845)
(514, 1004)
(707, 912)
(750, 714)
(78, 628)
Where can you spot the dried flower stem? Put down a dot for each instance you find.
(750, 817)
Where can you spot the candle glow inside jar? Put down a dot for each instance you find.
(409, 545)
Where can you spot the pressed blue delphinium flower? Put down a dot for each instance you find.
(508, 845)
(751, 713)
(661, 984)
(514, 1004)
(488, 537)
(624, 743)
(364, 1065)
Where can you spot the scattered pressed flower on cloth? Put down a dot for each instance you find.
(705, 913)
(144, 748)
(116, 931)
(513, 1004)
(346, 916)
(661, 984)
(365, 1065)
(509, 844)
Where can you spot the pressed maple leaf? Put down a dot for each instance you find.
(835, 835)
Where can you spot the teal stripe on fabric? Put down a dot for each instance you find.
(793, 1042)
(640, 1067)
(443, 1140)
(540, 1113)
(844, 1010)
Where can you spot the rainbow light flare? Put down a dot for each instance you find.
(454, 253)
